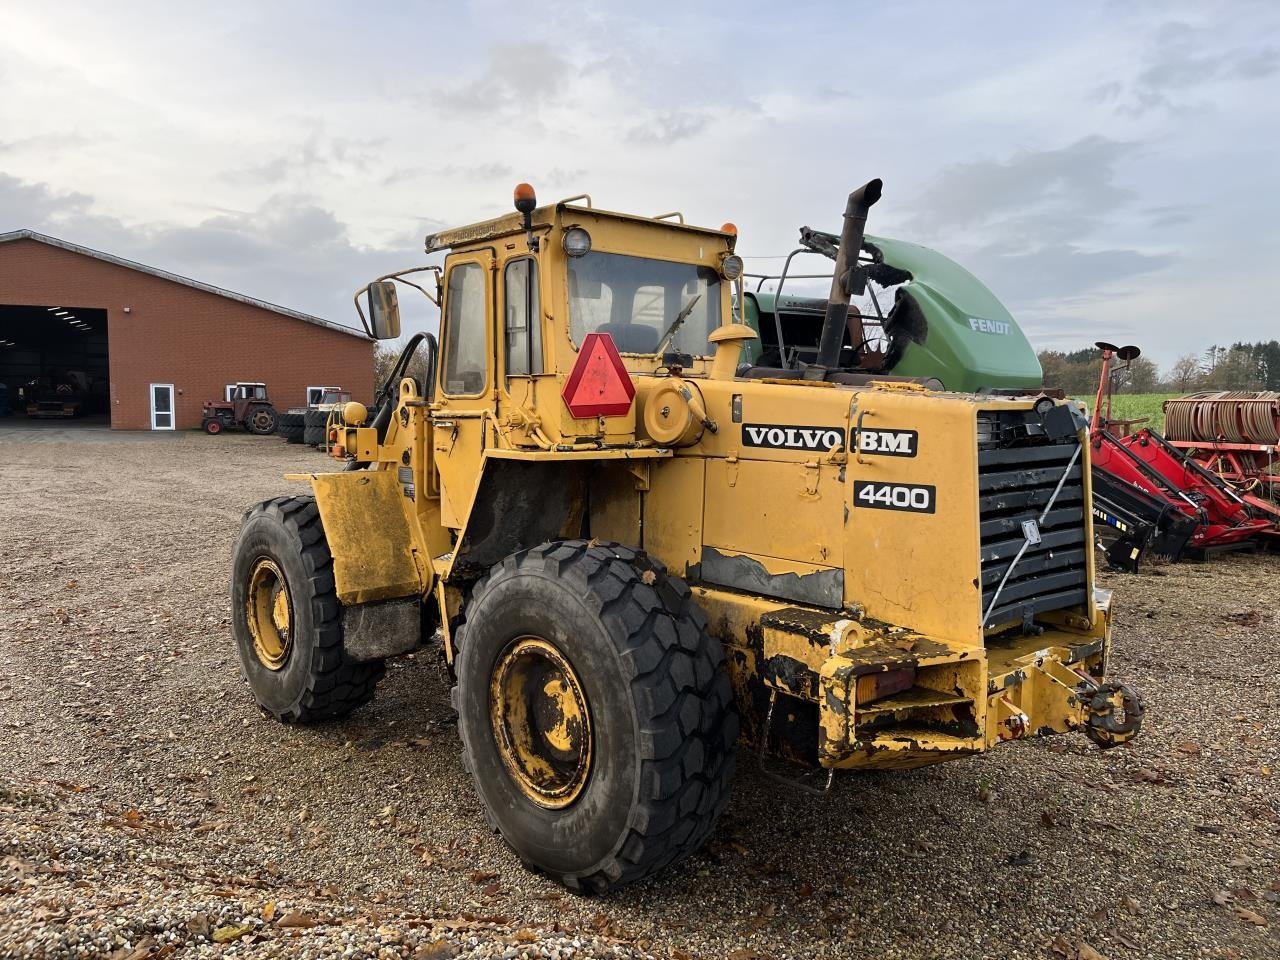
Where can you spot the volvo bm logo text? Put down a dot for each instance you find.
(780, 436)
(888, 443)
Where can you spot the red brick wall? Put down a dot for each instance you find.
(177, 334)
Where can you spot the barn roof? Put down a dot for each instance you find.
(176, 278)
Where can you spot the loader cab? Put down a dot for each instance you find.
(522, 296)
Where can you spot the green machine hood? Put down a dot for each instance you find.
(945, 323)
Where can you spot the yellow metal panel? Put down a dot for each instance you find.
(792, 511)
(628, 453)
(672, 512)
(918, 570)
(369, 536)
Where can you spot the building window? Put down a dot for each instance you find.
(523, 318)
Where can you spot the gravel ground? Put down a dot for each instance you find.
(148, 809)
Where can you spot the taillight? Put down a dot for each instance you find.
(876, 686)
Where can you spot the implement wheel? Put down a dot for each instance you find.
(286, 619)
(595, 711)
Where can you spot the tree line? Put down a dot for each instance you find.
(1241, 366)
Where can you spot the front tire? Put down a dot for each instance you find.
(595, 711)
(286, 619)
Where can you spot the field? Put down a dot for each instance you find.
(147, 808)
(1131, 406)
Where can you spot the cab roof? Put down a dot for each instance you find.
(547, 216)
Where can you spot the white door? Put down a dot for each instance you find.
(162, 406)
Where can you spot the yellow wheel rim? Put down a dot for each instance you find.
(541, 723)
(269, 612)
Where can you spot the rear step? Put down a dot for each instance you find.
(915, 739)
(919, 718)
(915, 698)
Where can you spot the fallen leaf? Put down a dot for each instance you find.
(296, 919)
(1086, 952)
(746, 953)
(1248, 916)
(525, 935)
(269, 911)
(200, 926)
(1222, 898)
(436, 950)
(1132, 905)
(232, 931)
(482, 876)
(1189, 747)
(649, 577)
(1062, 946)
(1047, 820)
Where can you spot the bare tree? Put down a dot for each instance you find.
(1186, 373)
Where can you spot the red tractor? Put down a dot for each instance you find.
(247, 406)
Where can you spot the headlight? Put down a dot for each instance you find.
(577, 242)
(731, 267)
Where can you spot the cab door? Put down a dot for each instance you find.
(465, 390)
(523, 364)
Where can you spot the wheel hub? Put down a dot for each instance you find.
(269, 613)
(540, 721)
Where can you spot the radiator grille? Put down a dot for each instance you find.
(1014, 484)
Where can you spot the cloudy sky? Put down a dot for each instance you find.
(1108, 168)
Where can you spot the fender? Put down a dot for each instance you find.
(367, 524)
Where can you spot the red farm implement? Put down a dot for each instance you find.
(1224, 517)
(1235, 435)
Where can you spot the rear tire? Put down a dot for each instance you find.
(660, 727)
(290, 427)
(286, 619)
(261, 420)
(314, 423)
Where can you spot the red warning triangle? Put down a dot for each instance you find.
(598, 385)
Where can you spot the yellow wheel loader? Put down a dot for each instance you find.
(639, 553)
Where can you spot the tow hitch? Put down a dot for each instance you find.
(1115, 714)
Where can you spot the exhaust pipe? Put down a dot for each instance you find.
(847, 280)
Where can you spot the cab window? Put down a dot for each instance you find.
(463, 372)
(523, 316)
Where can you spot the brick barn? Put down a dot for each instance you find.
(145, 347)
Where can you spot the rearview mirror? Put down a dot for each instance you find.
(384, 310)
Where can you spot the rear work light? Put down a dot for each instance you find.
(598, 385)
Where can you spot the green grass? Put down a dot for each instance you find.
(1131, 406)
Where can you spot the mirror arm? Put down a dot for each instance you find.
(368, 330)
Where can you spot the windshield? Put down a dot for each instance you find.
(636, 301)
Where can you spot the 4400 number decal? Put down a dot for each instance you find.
(912, 497)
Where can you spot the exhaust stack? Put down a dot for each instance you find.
(847, 281)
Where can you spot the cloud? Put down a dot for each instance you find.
(1034, 227)
(316, 154)
(1066, 181)
(517, 74)
(1179, 60)
(669, 127)
(289, 250)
